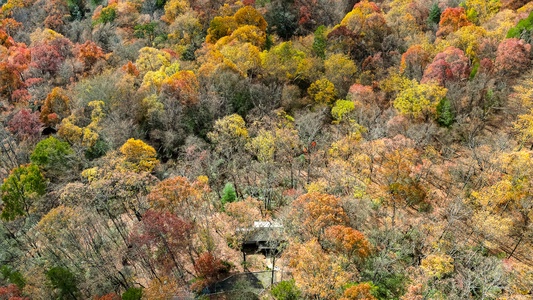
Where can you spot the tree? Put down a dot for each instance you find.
(322, 91)
(506, 201)
(434, 14)
(180, 196)
(175, 8)
(479, 11)
(46, 58)
(512, 57)
(282, 19)
(86, 241)
(286, 290)
(132, 294)
(469, 39)
(419, 99)
(317, 274)
(340, 70)
(21, 191)
(51, 154)
(245, 34)
(242, 57)
(360, 291)
(524, 126)
(63, 280)
(88, 54)
(522, 30)
(346, 240)
(83, 136)
(248, 15)
(320, 41)
(220, 27)
(445, 114)
(367, 22)
(151, 59)
(437, 265)
(25, 125)
(138, 156)
(182, 87)
(228, 194)
(313, 213)
(105, 15)
(229, 135)
(161, 242)
(11, 292)
(164, 287)
(414, 62)
(451, 19)
(449, 65)
(341, 108)
(55, 108)
(208, 270)
(283, 62)
(10, 79)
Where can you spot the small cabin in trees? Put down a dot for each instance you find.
(263, 237)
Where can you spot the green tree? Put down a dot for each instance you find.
(51, 153)
(228, 194)
(434, 14)
(64, 281)
(107, 15)
(132, 294)
(286, 290)
(523, 29)
(445, 114)
(21, 190)
(320, 42)
(12, 276)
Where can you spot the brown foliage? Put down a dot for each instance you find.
(56, 106)
(451, 19)
(314, 212)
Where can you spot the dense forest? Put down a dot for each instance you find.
(388, 144)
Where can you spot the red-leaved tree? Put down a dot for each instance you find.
(513, 57)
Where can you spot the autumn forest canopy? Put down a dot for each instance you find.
(387, 144)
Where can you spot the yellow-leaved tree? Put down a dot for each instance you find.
(83, 136)
(505, 208)
(322, 91)
(418, 100)
(138, 156)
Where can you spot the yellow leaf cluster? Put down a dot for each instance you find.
(229, 133)
(152, 59)
(468, 39)
(138, 156)
(438, 265)
(322, 91)
(340, 69)
(419, 99)
(174, 8)
(55, 220)
(481, 10)
(284, 61)
(341, 108)
(263, 145)
(84, 136)
(247, 25)
(243, 58)
(44, 36)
